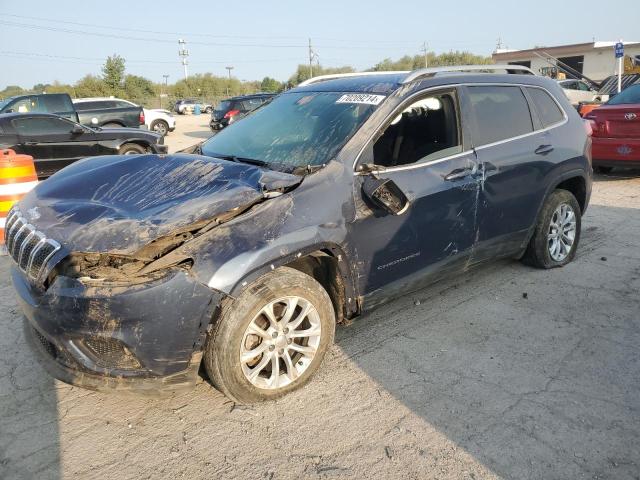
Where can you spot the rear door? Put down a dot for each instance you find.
(514, 153)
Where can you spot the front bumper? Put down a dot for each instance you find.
(161, 324)
(614, 152)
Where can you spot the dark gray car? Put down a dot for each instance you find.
(337, 196)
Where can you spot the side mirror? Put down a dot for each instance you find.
(77, 130)
(384, 193)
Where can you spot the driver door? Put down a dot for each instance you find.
(423, 150)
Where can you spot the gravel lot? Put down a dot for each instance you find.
(468, 379)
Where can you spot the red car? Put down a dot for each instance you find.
(616, 131)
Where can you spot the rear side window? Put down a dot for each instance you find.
(41, 126)
(56, 103)
(499, 113)
(122, 104)
(546, 108)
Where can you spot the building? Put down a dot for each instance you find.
(595, 60)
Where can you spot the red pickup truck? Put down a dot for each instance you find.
(616, 131)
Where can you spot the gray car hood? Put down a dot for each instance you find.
(120, 203)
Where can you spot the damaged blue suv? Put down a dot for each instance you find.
(339, 195)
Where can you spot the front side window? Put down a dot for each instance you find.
(425, 130)
(546, 108)
(499, 113)
(26, 105)
(297, 129)
(41, 126)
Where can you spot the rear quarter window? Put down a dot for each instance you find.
(546, 107)
(499, 113)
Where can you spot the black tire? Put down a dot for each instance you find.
(602, 170)
(113, 125)
(160, 126)
(537, 253)
(131, 149)
(222, 351)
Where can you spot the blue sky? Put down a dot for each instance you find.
(269, 38)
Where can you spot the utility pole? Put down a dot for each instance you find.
(229, 70)
(311, 54)
(165, 88)
(425, 47)
(183, 53)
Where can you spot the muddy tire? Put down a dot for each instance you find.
(131, 149)
(272, 338)
(557, 233)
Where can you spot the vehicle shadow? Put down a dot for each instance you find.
(531, 372)
(29, 433)
(617, 174)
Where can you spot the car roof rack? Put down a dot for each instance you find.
(332, 76)
(431, 72)
(423, 72)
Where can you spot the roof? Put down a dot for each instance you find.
(506, 55)
(93, 99)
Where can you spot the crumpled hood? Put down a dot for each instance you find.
(120, 203)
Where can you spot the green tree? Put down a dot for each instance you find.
(11, 90)
(91, 86)
(113, 73)
(138, 89)
(302, 73)
(269, 84)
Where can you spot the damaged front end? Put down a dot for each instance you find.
(111, 310)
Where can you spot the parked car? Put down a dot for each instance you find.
(55, 142)
(159, 120)
(58, 103)
(182, 105)
(109, 112)
(337, 196)
(616, 131)
(579, 91)
(234, 108)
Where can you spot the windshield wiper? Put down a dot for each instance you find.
(236, 159)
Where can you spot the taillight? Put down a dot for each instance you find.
(231, 113)
(141, 117)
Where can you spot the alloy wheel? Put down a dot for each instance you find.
(280, 342)
(562, 232)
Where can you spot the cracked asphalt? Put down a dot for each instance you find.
(506, 372)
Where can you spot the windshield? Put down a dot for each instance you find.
(628, 95)
(294, 130)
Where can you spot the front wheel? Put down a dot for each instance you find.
(557, 233)
(272, 338)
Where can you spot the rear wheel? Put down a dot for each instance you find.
(160, 126)
(272, 338)
(557, 232)
(131, 149)
(602, 170)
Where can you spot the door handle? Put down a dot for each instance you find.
(463, 172)
(544, 149)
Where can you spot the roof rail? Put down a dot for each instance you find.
(322, 78)
(430, 72)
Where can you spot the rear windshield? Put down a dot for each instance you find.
(223, 106)
(294, 130)
(627, 96)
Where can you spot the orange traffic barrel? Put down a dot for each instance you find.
(17, 177)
